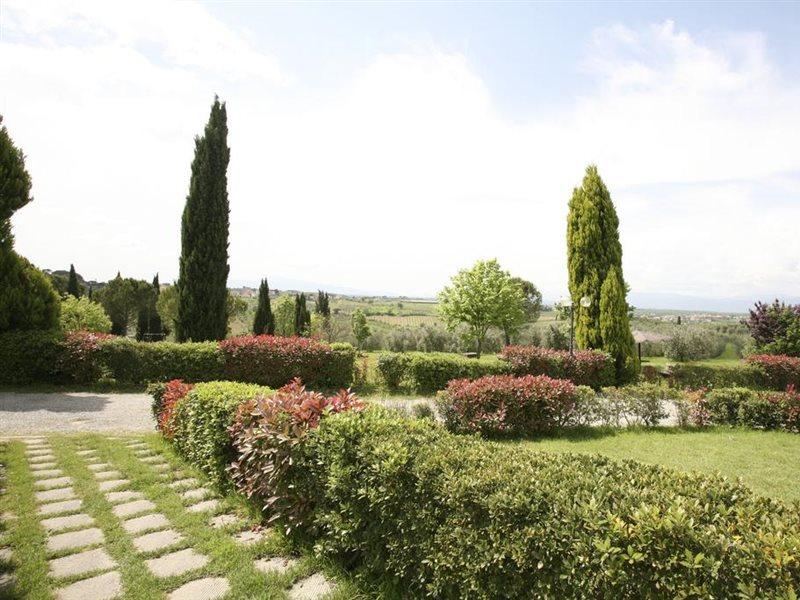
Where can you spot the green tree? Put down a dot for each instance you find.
(532, 306)
(593, 247)
(148, 322)
(122, 299)
(302, 317)
(236, 309)
(360, 327)
(73, 287)
(323, 305)
(284, 315)
(615, 328)
(28, 299)
(81, 314)
(202, 282)
(482, 297)
(167, 308)
(264, 321)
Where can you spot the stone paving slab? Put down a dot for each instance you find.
(86, 452)
(276, 564)
(180, 483)
(54, 508)
(140, 524)
(105, 475)
(99, 467)
(151, 459)
(205, 506)
(43, 466)
(57, 494)
(195, 494)
(157, 540)
(114, 497)
(39, 451)
(55, 482)
(82, 562)
(47, 473)
(42, 459)
(74, 539)
(176, 563)
(161, 467)
(224, 521)
(248, 538)
(102, 587)
(208, 588)
(59, 523)
(131, 508)
(310, 588)
(112, 484)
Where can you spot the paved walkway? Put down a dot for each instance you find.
(72, 412)
(80, 554)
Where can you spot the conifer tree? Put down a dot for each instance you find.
(323, 306)
(302, 318)
(202, 280)
(264, 321)
(615, 328)
(593, 247)
(73, 287)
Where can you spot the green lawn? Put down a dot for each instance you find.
(768, 462)
(723, 361)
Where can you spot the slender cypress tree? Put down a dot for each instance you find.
(264, 321)
(323, 305)
(203, 274)
(90, 292)
(73, 287)
(593, 247)
(615, 328)
(156, 327)
(302, 318)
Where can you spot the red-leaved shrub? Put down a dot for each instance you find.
(507, 404)
(274, 360)
(79, 361)
(173, 391)
(265, 432)
(781, 371)
(584, 367)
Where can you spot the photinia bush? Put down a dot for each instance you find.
(167, 399)
(508, 404)
(583, 367)
(79, 361)
(265, 433)
(781, 371)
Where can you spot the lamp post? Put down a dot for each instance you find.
(585, 302)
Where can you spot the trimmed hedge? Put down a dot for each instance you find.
(749, 408)
(714, 376)
(506, 404)
(780, 371)
(429, 372)
(201, 420)
(583, 367)
(438, 515)
(81, 357)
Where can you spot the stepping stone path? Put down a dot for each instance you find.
(81, 566)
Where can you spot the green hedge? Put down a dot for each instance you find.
(130, 361)
(201, 424)
(697, 376)
(428, 372)
(438, 515)
(30, 357)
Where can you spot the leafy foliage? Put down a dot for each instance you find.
(360, 327)
(203, 271)
(780, 371)
(165, 400)
(775, 328)
(28, 299)
(482, 297)
(584, 367)
(264, 321)
(81, 314)
(266, 435)
(15, 185)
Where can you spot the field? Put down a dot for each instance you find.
(767, 461)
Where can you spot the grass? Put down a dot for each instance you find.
(722, 361)
(767, 461)
(227, 558)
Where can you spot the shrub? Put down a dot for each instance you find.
(723, 404)
(30, 356)
(762, 411)
(393, 368)
(780, 371)
(201, 421)
(431, 372)
(80, 360)
(274, 361)
(266, 434)
(81, 314)
(446, 516)
(640, 404)
(140, 362)
(584, 367)
(507, 404)
(713, 376)
(165, 400)
(28, 300)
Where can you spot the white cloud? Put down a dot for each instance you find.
(406, 171)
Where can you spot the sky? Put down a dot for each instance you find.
(381, 147)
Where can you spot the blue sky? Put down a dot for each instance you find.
(414, 138)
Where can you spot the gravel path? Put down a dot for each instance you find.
(77, 411)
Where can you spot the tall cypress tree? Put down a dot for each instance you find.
(264, 321)
(593, 247)
(203, 275)
(73, 287)
(302, 318)
(615, 328)
(323, 305)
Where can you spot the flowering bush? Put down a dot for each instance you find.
(165, 399)
(583, 367)
(508, 404)
(265, 432)
(274, 361)
(79, 360)
(781, 371)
